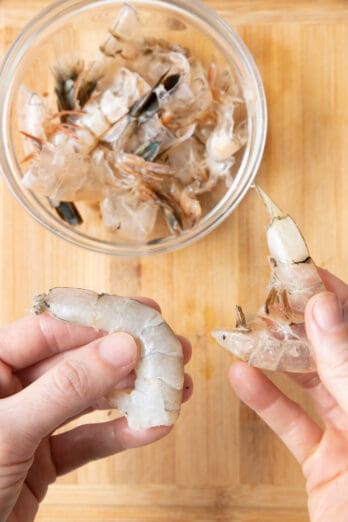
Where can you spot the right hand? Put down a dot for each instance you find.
(323, 453)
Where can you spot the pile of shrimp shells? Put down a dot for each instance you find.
(143, 133)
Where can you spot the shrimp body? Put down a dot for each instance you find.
(156, 398)
(275, 339)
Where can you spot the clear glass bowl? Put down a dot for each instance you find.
(75, 26)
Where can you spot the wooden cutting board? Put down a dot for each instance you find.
(220, 463)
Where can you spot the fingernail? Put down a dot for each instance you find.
(119, 349)
(327, 311)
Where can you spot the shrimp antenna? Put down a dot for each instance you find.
(274, 211)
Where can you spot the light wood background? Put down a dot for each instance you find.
(221, 463)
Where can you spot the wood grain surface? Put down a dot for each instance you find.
(220, 463)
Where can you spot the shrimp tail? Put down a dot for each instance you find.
(39, 304)
(285, 241)
(273, 211)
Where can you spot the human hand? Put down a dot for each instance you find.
(322, 453)
(50, 373)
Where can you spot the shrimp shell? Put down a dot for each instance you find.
(32, 116)
(275, 339)
(156, 398)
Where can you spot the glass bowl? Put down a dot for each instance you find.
(71, 25)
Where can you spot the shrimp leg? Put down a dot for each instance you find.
(156, 398)
(275, 339)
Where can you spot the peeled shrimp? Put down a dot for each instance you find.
(157, 395)
(275, 339)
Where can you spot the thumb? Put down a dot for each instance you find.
(328, 334)
(83, 377)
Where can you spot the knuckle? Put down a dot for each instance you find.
(71, 381)
(48, 333)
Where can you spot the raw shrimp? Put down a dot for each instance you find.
(156, 398)
(276, 339)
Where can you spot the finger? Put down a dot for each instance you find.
(32, 339)
(327, 407)
(148, 302)
(295, 428)
(186, 348)
(188, 388)
(81, 445)
(328, 333)
(70, 387)
(34, 372)
(334, 284)
(9, 383)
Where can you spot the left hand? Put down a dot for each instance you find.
(50, 373)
